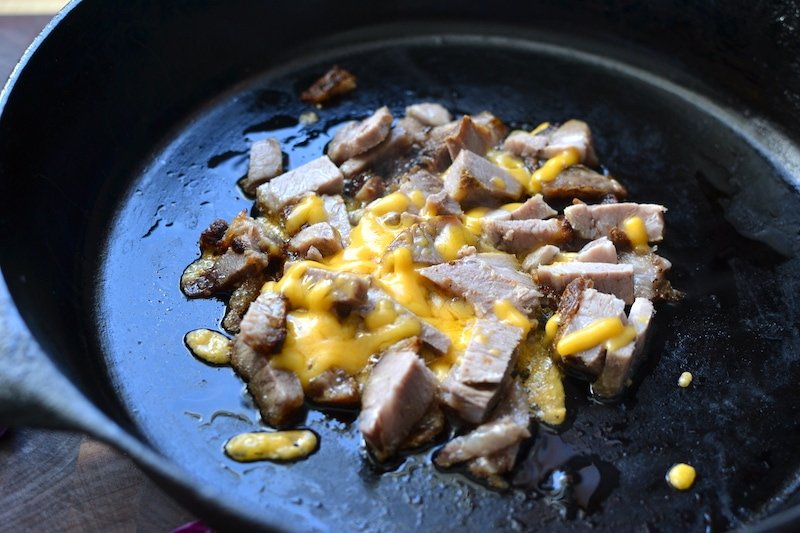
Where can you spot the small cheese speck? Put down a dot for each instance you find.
(681, 476)
(309, 118)
(685, 380)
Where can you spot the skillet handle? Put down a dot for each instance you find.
(33, 392)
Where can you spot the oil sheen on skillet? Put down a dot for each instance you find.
(188, 410)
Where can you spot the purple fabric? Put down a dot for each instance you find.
(193, 527)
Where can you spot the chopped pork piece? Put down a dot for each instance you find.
(484, 440)
(494, 130)
(520, 236)
(397, 395)
(372, 189)
(429, 114)
(428, 334)
(572, 133)
(468, 135)
(607, 277)
(245, 360)
(347, 290)
(430, 425)
(240, 301)
(580, 182)
(334, 387)
(649, 275)
(266, 162)
(441, 203)
(514, 407)
(423, 181)
(211, 237)
(355, 138)
(321, 236)
(621, 362)
(277, 393)
(595, 221)
(600, 250)
(434, 155)
(263, 326)
(474, 384)
(581, 305)
(472, 180)
(483, 284)
(387, 157)
(420, 242)
(337, 81)
(544, 255)
(246, 233)
(319, 176)
(337, 216)
(524, 144)
(534, 208)
(227, 270)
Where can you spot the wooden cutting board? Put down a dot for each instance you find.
(58, 481)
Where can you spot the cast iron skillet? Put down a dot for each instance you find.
(124, 130)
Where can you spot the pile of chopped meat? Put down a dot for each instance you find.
(439, 275)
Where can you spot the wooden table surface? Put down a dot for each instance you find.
(57, 481)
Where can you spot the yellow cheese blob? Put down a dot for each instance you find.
(210, 346)
(627, 336)
(636, 231)
(274, 446)
(509, 314)
(681, 476)
(396, 202)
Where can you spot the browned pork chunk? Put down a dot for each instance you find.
(472, 180)
(621, 362)
(595, 221)
(227, 270)
(600, 250)
(321, 236)
(266, 162)
(649, 275)
(355, 138)
(534, 207)
(429, 114)
(441, 203)
(420, 242)
(608, 278)
(334, 387)
(423, 181)
(247, 233)
(397, 394)
(387, 158)
(492, 447)
(431, 424)
(474, 385)
(336, 82)
(240, 301)
(580, 182)
(552, 141)
(245, 360)
(544, 255)
(520, 236)
(483, 282)
(263, 326)
(277, 393)
(337, 216)
(347, 290)
(319, 176)
(581, 305)
(575, 134)
(477, 137)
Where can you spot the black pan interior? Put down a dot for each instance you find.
(736, 330)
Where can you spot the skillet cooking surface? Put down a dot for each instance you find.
(735, 330)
